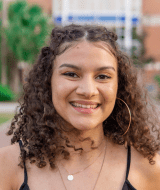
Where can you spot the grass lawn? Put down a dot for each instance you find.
(5, 117)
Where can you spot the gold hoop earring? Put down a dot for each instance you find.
(129, 116)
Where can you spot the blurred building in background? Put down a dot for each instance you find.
(145, 15)
(114, 14)
(142, 16)
(46, 5)
(151, 26)
(125, 17)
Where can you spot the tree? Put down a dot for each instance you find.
(138, 50)
(27, 31)
(3, 7)
(157, 79)
(139, 54)
(0, 33)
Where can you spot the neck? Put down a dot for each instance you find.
(88, 152)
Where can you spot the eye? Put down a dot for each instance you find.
(102, 77)
(70, 74)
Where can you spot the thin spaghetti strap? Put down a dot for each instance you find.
(128, 161)
(25, 171)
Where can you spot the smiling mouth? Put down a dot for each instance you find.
(84, 106)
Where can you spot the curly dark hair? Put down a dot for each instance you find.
(40, 127)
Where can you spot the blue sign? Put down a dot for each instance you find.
(87, 18)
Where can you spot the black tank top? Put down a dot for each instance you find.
(126, 186)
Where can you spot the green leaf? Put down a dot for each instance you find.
(157, 78)
(1, 5)
(27, 30)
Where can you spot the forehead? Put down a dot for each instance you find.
(65, 47)
(95, 54)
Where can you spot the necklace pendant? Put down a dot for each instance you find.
(70, 177)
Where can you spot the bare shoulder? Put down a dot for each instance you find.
(142, 173)
(8, 166)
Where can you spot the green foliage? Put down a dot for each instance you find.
(16, 10)
(139, 54)
(138, 51)
(0, 36)
(0, 5)
(157, 78)
(0, 32)
(27, 30)
(6, 94)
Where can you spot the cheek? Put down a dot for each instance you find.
(110, 92)
(57, 94)
(60, 92)
(115, 88)
(56, 90)
(57, 85)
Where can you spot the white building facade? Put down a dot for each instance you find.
(106, 12)
(114, 14)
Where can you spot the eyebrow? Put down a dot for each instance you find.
(78, 68)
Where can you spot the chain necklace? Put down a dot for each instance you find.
(85, 168)
(70, 176)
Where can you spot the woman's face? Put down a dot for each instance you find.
(84, 84)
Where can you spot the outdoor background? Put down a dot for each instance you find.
(25, 26)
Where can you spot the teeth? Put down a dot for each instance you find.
(84, 106)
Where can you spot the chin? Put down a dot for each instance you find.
(83, 127)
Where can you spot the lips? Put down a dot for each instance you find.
(85, 102)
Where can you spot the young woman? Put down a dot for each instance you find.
(84, 123)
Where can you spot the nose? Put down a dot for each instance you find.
(87, 87)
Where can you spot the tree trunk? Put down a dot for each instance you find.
(3, 45)
(15, 78)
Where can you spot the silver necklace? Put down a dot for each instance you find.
(70, 176)
(85, 168)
